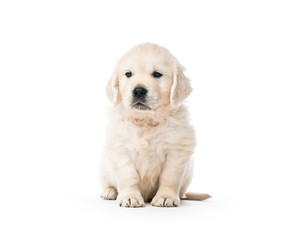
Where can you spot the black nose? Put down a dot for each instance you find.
(139, 92)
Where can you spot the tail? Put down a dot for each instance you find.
(196, 196)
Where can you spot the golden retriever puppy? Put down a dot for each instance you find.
(149, 141)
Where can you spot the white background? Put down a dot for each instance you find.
(55, 59)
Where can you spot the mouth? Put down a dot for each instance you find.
(140, 106)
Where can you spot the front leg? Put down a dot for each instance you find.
(170, 180)
(128, 184)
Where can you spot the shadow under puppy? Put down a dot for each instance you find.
(149, 142)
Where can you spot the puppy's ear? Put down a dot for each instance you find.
(181, 87)
(112, 88)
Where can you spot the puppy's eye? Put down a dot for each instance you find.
(157, 74)
(128, 74)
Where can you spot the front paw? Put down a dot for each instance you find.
(165, 201)
(130, 200)
(109, 193)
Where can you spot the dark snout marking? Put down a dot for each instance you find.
(139, 92)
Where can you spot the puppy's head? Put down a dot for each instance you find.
(147, 78)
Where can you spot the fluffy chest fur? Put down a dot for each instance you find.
(147, 150)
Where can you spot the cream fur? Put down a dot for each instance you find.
(148, 153)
